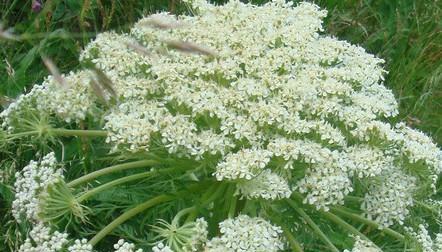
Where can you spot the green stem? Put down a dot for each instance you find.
(129, 214)
(354, 198)
(84, 133)
(26, 133)
(122, 180)
(312, 225)
(347, 226)
(61, 132)
(361, 219)
(428, 207)
(230, 195)
(111, 169)
(209, 196)
(181, 213)
(232, 208)
(219, 191)
(294, 244)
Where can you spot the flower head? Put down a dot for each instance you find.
(31, 182)
(244, 233)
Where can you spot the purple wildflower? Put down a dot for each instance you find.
(37, 5)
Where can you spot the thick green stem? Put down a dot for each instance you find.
(61, 132)
(122, 180)
(312, 225)
(368, 222)
(354, 198)
(111, 169)
(129, 214)
(346, 226)
(143, 206)
(85, 133)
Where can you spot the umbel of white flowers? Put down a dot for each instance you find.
(276, 87)
(260, 92)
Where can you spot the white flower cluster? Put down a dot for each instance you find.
(80, 246)
(160, 247)
(30, 183)
(70, 101)
(362, 245)
(42, 239)
(199, 236)
(253, 85)
(17, 109)
(419, 147)
(425, 241)
(325, 186)
(365, 161)
(246, 234)
(122, 246)
(244, 164)
(133, 123)
(110, 53)
(266, 185)
(388, 198)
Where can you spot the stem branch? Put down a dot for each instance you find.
(129, 214)
(85, 133)
(122, 180)
(312, 225)
(368, 222)
(111, 169)
(347, 226)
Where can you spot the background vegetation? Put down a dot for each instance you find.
(406, 33)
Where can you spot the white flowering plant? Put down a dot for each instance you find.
(233, 128)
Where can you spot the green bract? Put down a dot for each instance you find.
(244, 127)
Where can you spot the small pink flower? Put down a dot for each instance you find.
(37, 5)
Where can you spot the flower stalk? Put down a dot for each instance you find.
(312, 225)
(111, 169)
(59, 132)
(356, 217)
(347, 227)
(123, 180)
(294, 244)
(129, 214)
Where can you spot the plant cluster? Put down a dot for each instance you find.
(238, 128)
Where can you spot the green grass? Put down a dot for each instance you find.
(406, 33)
